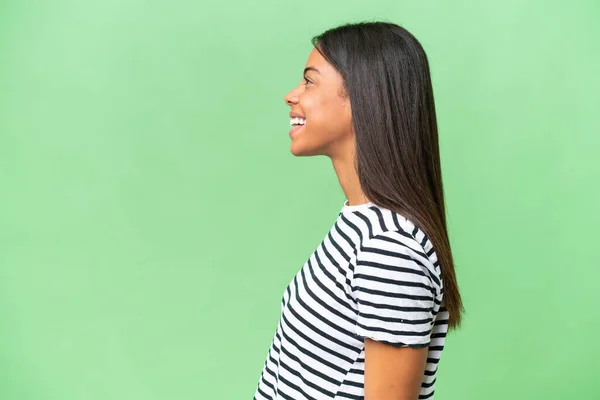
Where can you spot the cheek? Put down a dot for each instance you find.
(326, 115)
(316, 111)
(337, 115)
(321, 109)
(311, 104)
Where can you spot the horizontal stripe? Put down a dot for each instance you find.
(393, 282)
(396, 320)
(393, 332)
(394, 307)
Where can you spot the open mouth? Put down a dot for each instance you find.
(297, 125)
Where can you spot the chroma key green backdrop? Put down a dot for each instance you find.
(151, 213)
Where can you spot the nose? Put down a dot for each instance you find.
(292, 97)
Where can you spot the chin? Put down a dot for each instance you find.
(302, 146)
(304, 151)
(300, 152)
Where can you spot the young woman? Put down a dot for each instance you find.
(367, 315)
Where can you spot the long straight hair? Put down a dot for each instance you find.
(386, 76)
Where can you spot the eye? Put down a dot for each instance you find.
(307, 81)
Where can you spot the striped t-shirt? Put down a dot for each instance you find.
(374, 275)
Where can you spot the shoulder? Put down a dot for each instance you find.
(375, 224)
(402, 249)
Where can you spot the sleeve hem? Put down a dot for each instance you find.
(396, 343)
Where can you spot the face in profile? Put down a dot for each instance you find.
(320, 114)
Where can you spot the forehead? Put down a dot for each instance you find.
(316, 60)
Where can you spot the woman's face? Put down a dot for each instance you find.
(319, 100)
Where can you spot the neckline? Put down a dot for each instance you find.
(356, 207)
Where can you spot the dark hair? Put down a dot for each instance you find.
(386, 76)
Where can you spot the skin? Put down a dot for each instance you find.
(328, 130)
(391, 373)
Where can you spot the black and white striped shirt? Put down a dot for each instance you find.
(374, 275)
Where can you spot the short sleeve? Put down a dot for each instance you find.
(397, 290)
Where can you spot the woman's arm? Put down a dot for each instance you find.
(398, 291)
(393, 373)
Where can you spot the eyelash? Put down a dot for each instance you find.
(306, 81)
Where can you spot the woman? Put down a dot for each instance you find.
(367, 315)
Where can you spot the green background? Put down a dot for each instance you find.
(151, 212)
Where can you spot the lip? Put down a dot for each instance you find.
(295, 129)
(296, 115)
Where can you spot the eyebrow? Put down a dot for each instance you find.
(311, 69)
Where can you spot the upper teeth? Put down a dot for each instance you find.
(297, 121)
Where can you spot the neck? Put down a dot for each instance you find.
(348, 178)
